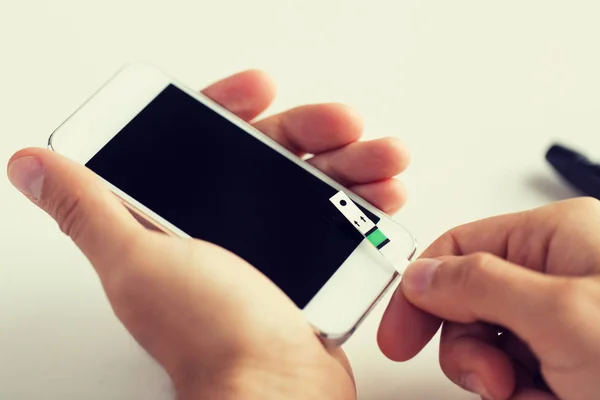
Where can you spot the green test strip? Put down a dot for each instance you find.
(377, 238)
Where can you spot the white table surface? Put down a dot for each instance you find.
(477, 89)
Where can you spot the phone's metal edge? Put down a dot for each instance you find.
(146, 220)
(336, 341)
(108, 81)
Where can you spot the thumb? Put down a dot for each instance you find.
(482, 287)
(82, 205)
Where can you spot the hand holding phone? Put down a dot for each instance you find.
(188, 167)
(215, 323)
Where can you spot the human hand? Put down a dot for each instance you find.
(535, 277)
(218, 327)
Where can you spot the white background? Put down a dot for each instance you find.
(477, 89)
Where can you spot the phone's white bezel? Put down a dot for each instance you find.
(342, 303)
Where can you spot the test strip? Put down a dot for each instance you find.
(369, 230)
(352, 213)
(360, 221)
(377, 238)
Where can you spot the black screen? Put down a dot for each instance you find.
(218, 183)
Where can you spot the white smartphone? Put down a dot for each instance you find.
(188, 167)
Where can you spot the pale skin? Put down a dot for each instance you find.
(535, 274)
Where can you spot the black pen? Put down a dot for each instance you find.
(576, 169)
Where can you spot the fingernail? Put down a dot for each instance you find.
(418, 276)
(27, 175)
(473, 384)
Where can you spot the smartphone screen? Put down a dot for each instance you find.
(218, 183)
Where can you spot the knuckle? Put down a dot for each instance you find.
(587, 203)
(581, 206)
(469, 273)
(479, 260)
(119, 283)
(128, 272)
(569, 338)
(127, 288)
(133, 281)
(453, 239)
(571, 301)
(65, 208)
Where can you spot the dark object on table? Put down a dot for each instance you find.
(576, 169)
